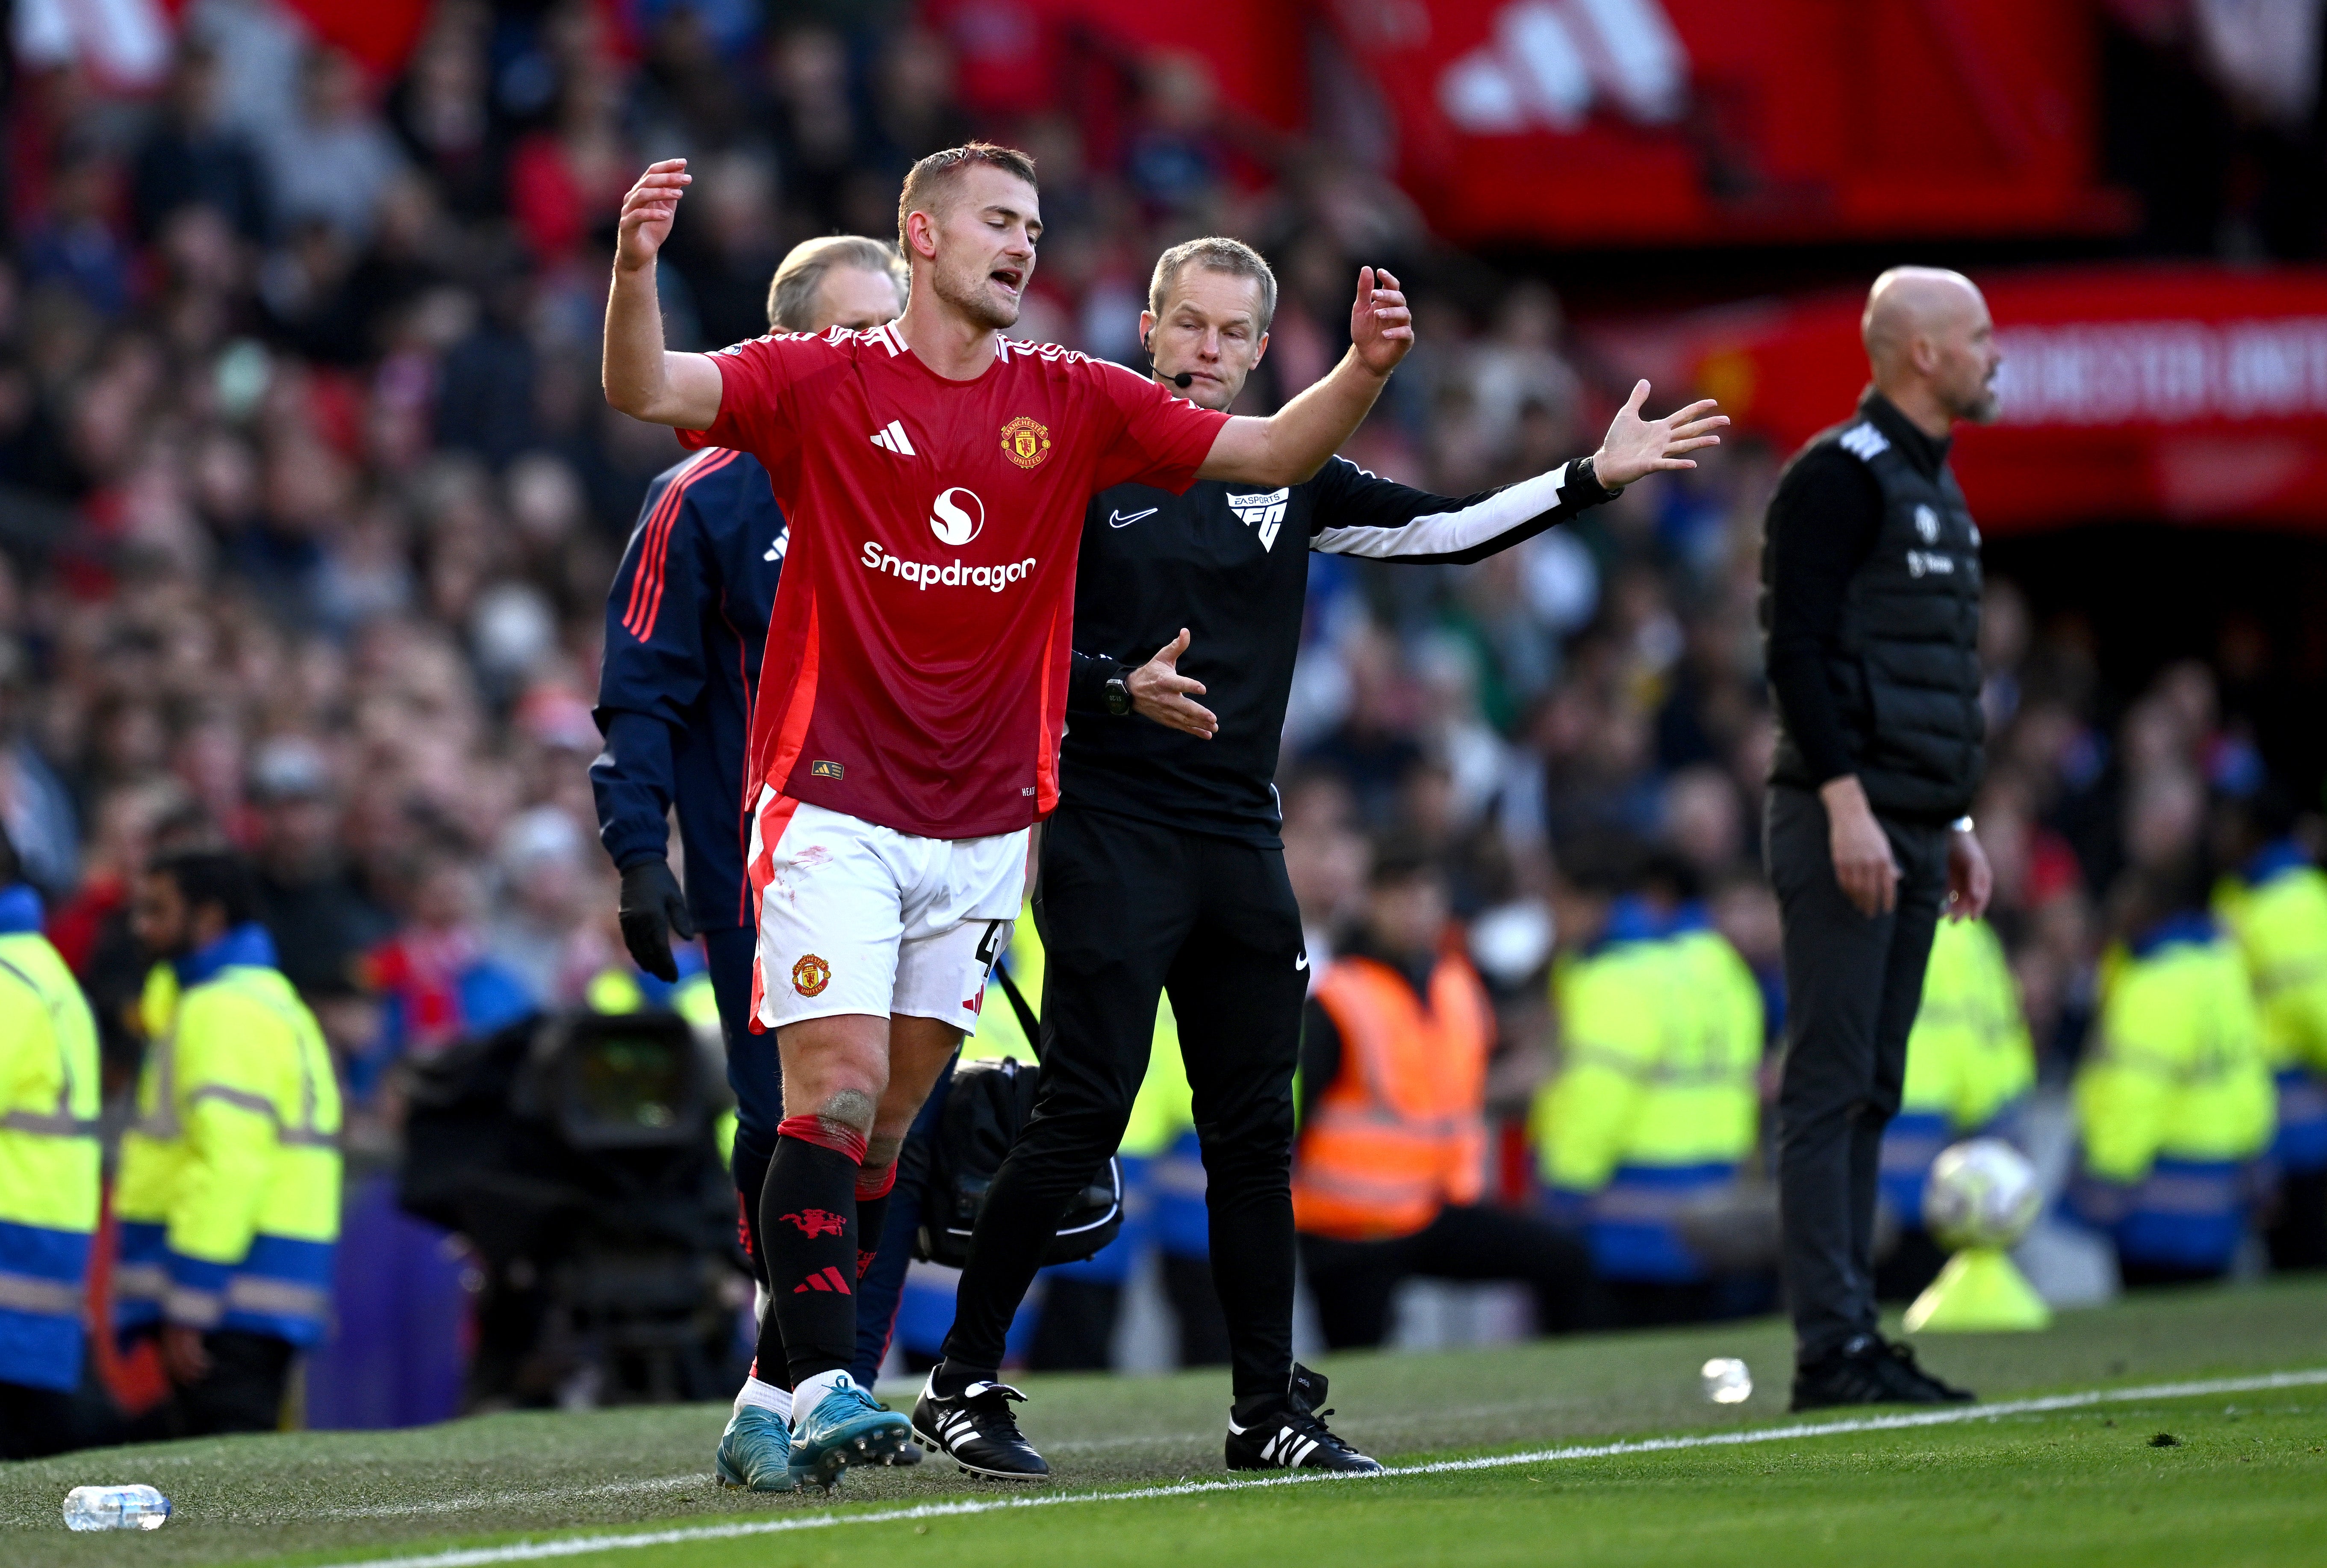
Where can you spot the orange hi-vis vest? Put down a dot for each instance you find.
(1402, 1132)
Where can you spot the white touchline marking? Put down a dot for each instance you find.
(1953, 1415)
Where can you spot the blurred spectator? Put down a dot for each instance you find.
(2275, 904)
(2175, 1101)
(1643, 1133)
(1387, 1175)
(192, 157)
(331, 161)
(321, 918)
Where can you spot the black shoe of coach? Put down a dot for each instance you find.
(1869, 1370)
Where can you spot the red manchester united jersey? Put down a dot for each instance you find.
(916, 666)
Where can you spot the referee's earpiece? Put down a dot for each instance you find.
(1183, 380)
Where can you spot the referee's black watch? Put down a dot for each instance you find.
(1118, 696)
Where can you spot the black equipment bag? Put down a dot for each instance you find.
(989, 1102)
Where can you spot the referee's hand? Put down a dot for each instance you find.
(1161, 692)
(652, 908)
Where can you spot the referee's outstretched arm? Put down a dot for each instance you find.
(1360, 514)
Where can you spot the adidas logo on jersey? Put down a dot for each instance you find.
(891, 437)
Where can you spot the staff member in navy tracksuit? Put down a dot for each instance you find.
(685, 623)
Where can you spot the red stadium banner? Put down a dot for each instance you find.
(2196, 394)
(1640, 122)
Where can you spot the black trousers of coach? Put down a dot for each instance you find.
(1128, 910)
(1853, 985)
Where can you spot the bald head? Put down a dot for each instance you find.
(1931, 346)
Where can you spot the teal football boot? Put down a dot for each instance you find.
(848, 1426)
(756, 1452)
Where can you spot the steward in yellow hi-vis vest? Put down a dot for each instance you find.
(2276, 911)
(1655, 1104)
(2173, 1103)
(49, 1169)
(1969, 1059)
(229, 1194)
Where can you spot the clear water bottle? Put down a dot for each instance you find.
(116, 1509)
(1727, 1381)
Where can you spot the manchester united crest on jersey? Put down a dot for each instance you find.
(810, 975)
(1025, 442)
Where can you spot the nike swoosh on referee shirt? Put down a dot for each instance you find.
(1117, 520)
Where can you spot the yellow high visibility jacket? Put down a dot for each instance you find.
(2277, 913)
(1661, 1038)
(1968, 1059)
(2176, 1071)
(49, 1155)
(1655, 1102)
(229, 1194)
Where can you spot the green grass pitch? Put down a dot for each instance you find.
(2074, 1480)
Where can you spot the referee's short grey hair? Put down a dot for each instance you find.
(792, 296)
(1217, 254)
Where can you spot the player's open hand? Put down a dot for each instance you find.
(1635, 447)
(647, 211)
(1381, 329)
(1161, 692)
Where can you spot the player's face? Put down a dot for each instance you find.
(1210, 330)
(1968, 358)
(857, 298)
(985, 236)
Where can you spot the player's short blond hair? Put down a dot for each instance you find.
(932, 174)
(1216, 253)
(793, 294)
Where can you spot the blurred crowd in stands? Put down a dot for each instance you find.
(309, 502)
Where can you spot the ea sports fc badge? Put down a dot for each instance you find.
(1025, 442)
(810, 975)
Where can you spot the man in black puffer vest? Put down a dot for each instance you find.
(1870, 615)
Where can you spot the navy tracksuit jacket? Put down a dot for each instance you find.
(685, 624)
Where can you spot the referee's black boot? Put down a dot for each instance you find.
(975, 1429)
(1287, 1432)
(1868, 1371)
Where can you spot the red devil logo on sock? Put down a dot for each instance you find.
(816, 1222)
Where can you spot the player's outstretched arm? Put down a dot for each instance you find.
(1291, 445)
(640, 377)
(1635, 448)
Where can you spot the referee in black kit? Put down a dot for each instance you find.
(1870, 609)
(1162, 868)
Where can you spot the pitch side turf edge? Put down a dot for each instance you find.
(580, 1546)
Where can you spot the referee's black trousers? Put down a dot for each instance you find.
(1128, 910)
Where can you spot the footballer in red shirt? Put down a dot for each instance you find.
(913, 692)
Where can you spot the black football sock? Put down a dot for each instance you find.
(872, 1212)
(807, 1221)
(952, 1377)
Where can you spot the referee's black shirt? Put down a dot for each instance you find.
(1230, 562)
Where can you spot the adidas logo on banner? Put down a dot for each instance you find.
(891, 437)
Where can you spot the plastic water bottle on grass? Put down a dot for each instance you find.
(116, 1509)
(1727, 1381)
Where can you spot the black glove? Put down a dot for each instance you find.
(652, 909)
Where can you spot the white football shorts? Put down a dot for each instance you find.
(857, 917)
